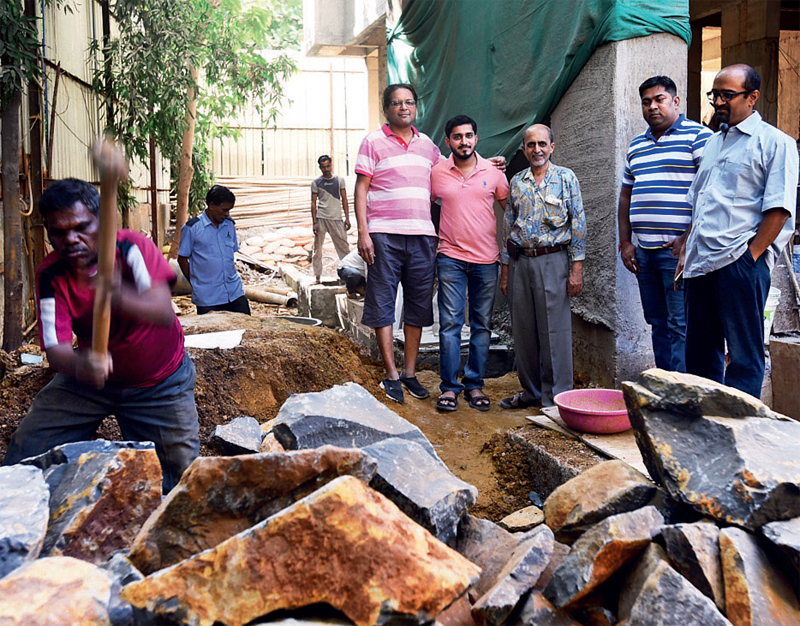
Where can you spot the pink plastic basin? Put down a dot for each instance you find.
(599, 411)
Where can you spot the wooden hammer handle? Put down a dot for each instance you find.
(113, 168)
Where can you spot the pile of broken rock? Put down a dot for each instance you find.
(339, 511)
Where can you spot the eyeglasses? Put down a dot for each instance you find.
(725, 96)
(395, 104)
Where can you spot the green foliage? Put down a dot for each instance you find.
(19, 48)
(147, 73)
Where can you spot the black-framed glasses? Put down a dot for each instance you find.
(725, 96)
(395, 104)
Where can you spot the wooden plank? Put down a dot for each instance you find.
(620, 446)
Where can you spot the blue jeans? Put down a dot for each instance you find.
(664, 308)
(728, 305)
(66, 411)
(455, 278)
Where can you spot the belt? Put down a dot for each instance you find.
(541, 251)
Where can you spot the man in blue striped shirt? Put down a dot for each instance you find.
(660, 166)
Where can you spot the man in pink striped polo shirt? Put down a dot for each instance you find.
(396, 236)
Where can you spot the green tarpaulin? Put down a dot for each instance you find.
(506, 63)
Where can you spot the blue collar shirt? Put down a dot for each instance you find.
(210, 252)
(752, 169)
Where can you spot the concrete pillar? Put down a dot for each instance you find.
(750, 34)
(789, 84)
(593, 125)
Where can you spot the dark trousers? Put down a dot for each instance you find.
(240, 305)
(65, 411)
(728, 305)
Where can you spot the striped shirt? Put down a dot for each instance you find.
(399, 196)
(143, 353)
(659, 172)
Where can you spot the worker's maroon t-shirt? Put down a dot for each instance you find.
(143, 354)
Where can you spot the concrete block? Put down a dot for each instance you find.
(318, 301)
(785, 356)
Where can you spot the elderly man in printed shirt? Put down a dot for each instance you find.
(545, 237)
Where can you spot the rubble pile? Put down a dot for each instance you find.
(289, 244)
(347, 515)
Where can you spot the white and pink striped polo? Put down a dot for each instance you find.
(399, 196)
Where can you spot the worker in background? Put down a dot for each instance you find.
(328, 198)
(206, 256)
(352, 271)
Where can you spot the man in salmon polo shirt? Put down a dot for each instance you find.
(467, 260)
(395, 233)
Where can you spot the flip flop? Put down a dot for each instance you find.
(446, 403)
(480, 401)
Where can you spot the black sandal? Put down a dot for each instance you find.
(446, 403)
(480, 401)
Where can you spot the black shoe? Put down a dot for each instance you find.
(394, 390)
(414, 387)
(516, 402)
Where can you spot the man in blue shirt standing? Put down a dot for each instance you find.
(205, 256)
(660, 165)
(744, 199)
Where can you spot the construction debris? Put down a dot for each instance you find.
(242, 537)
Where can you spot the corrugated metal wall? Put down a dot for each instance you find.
(326, 113)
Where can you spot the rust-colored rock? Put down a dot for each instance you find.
(606, 489)
(100, 501)
(600, 552)
(218, 497)
(61, 590)
(345, 545)
(755, 590)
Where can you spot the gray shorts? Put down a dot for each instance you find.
(400, 259)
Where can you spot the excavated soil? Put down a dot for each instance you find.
(277, 358)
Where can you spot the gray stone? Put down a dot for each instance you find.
(785, 535)
(739, 470)
(422, 486)
(347, 416)
(755, 590)
(600, 552)
(539, 611)
(24, 514)
(100, 500)
(119, 566)
(69, 452)
(240, 436)
(488, 546)
(523, 520)
(696, 396)
(668, 599)
(694, 551)
(645, 564)
(518, 577)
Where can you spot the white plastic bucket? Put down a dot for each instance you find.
(769, 311)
